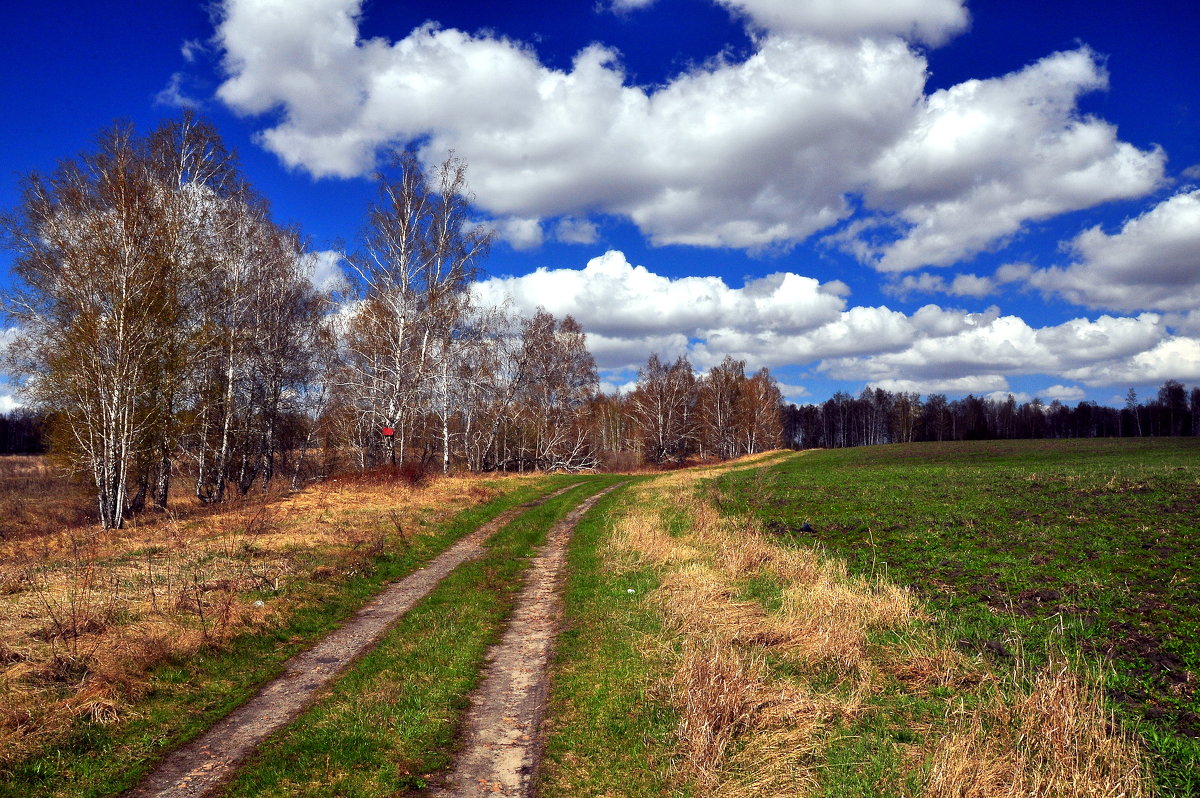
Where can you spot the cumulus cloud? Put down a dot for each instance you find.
(990, 384)
(576, 231)
(1064, 393)
(928, 21)
(1019, 397)
(748, 154)
(521, 234)
(1176, 358)
(789, 320)
(1152, 263)
(990, 346)
(793, 393)
(324, 269)
(612, 297)
(925, 283)
(757, 154)
(8, 403)
(985, 156)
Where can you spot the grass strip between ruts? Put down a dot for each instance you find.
(185, 698)
(389, 723)
(608, 733)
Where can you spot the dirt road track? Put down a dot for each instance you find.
(503, 740)
(199, 767)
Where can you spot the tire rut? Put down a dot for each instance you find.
(502, 739)
(199, 767)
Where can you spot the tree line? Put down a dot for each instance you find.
(22, 431)
(169, 333)
(169, 336)
(878, 416)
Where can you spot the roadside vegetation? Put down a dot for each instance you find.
(120, 644)
(765, 661)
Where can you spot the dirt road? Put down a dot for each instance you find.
(198, 768)
(502, 741)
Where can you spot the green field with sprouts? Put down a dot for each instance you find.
(1023, 548)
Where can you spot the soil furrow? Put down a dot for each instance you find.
(502, 739)
(199, 767)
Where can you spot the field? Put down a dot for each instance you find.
(986, 619)
(1021, 548)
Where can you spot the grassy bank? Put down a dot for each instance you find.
(609, 734)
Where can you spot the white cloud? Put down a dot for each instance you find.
(620, 353)
(986, 156)
(8, 403)
(192, 49)
(325, 270)
(576, 231)
(1176, 358)
(1184, 323)
(929, 21)
(1005, 346)
(612, 297)
(789, 320)
(1064, 393)
(1013, 273)
(749, 154)
(1020, 397)
(925, 283)
(623, 6)
(173, 94)
(1153, 262)
(521, 234)
(614, 382)
(793, 393)
(755, 154)
(977, 384)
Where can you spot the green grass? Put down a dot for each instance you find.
(611, 733)
(389, 724)
(1019, 548)
(186, 697)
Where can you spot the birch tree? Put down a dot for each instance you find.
(559, 379)
(663, 406)
(419, 254)
(103, 246)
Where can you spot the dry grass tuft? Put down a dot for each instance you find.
(742, 732)
(923, 664)
(1052, 738)
(715, 688)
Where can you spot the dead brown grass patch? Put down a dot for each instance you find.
(85, 613)
(1052, 737)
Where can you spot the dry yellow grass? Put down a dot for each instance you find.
(84, 613)
(747, 732)
(1052, 737)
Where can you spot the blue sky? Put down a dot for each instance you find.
(926, 195)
